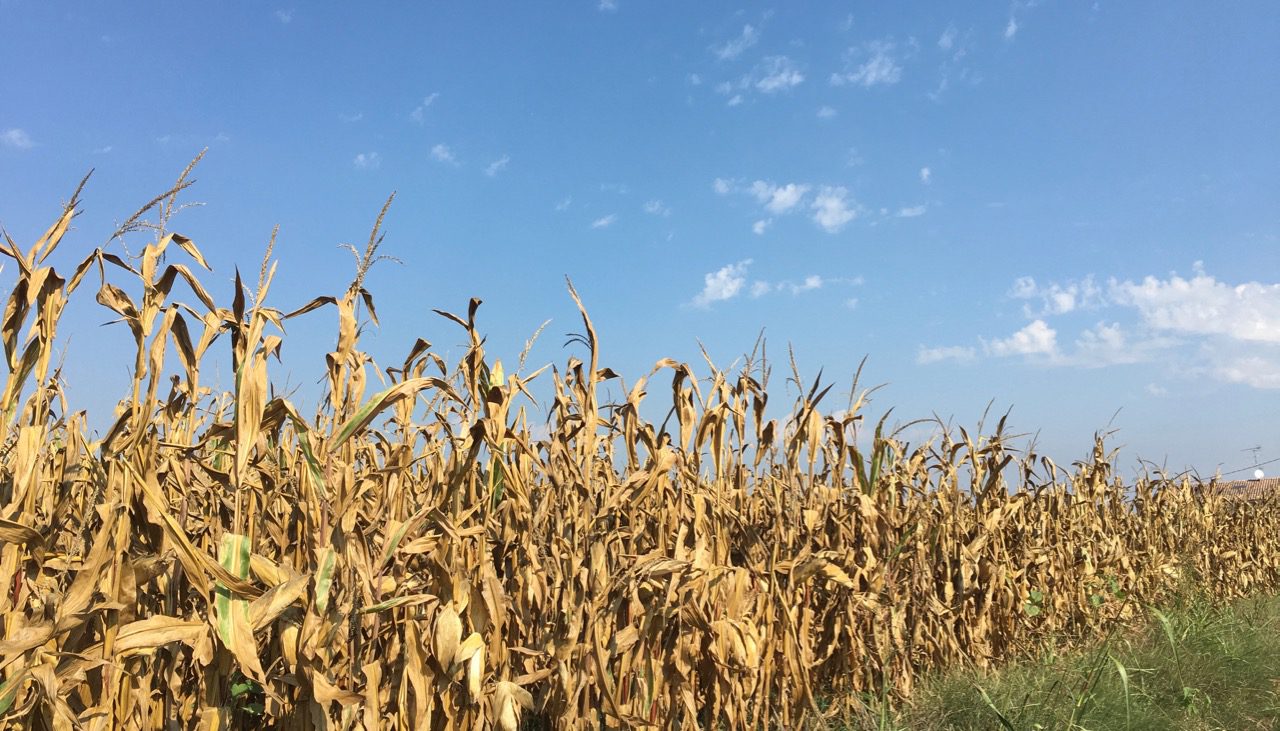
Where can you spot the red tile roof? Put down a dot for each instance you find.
(1250, 490)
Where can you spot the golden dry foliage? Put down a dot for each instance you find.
(417, 555)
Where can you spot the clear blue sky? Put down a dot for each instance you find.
(1068, 207)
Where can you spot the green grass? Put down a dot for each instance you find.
(1192, 667)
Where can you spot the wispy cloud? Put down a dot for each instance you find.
(723, 284)
(103, 150)
(1107, 344)
(956, 353)
(778, 73)
(497, 166)
(831, 206)
(1058, 298)
(948, 38)
(656, 207)
(926, 175)
(731, 280)
(825, 112)
(912, 211)
(1011, 29)
(832, 209)
(367, 161)
(564, 203)
(442, 153)
(604, 221)
(419, 112)
(810, 283)
(1255, 371)
(351, 118)
(772, 75)
(871, 65)
(607, 6)
(778, 198)
(17, 138)
(285, 16)
(734, 48)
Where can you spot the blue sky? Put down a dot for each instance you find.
(1067, 208)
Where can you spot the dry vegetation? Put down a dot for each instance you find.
(416, 554)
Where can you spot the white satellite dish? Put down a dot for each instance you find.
(1258, 474)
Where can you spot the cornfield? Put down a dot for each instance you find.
(430, 549)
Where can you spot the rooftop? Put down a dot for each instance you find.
(1250, 489)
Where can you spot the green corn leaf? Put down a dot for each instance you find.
(232, 613)
(324, 577)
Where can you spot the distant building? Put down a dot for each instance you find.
(1255, 490)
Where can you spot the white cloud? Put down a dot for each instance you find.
(367, 161)
(1107, 344)
(926, 175)
(419, 112)
(880, 67)
(723, 284)
(17, 139)
(103, 150)
(285, 16)
(604, 221)
(912, 211)
(1157, 390)
(1011, 29)
(734, 48)
(607, 6)
(777, 73)
(351, 118)
(497, 166)
(1254, 371)
(833, 209)
(760, 289)
(772, 75)
(957, 353)
(1058, 299)
(695, 80)
(948, 38)
(442, 153)
(851, 303)
(810, 283)
(1203, 305)
(825, 112)
(778, 199)
(564, 203)
(1034, 339)
(656, 207)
